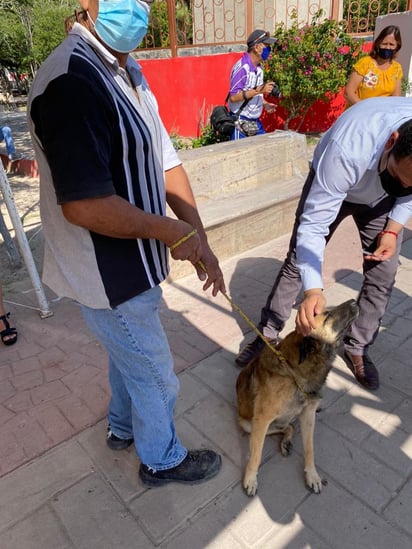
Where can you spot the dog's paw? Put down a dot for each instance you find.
(313, 481)
(250, 484)
(286, 448)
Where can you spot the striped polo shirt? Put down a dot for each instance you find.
(94, 137)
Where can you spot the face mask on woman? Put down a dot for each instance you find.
(386, 53)
(122, 24)
(265, 53)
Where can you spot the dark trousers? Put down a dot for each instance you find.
(378, 276)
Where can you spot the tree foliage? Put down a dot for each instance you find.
(29, 31)
(158, 35)
(48, 29)
(13, 46)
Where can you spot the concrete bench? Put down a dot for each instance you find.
(246, 190)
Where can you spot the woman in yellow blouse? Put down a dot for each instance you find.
(377, 74)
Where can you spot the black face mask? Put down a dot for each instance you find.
(391, 185)
(386, 53)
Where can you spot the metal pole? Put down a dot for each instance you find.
(11, 249)
(24, 245)
(171, 17)
(334, 10)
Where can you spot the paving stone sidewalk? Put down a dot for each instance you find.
(79, 494)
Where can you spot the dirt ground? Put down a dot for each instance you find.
(25, 193)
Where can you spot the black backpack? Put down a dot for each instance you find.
(222, 121)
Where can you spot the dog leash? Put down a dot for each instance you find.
(275, 351)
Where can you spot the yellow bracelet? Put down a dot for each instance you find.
(183, 239)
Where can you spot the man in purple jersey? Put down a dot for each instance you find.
(246, 84)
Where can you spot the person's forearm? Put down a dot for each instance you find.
(352, 87)
(179, 196)
(310, 246)
(401, 211)
(397, 92)
(351, 98)
(247, 94)
(115, 217)
(393, 226)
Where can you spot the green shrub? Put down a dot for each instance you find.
(158, 32)
(311, 63)
(208, 136)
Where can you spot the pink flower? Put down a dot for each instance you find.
(344, 50)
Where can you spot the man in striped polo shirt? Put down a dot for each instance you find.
(107, 168)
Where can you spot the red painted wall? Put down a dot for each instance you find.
(320, 117)
(187, 88)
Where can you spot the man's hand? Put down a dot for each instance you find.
(198, 252)
(213, 275)
(386, 247)
(189, 249)
(313, 304)
(195, 249)
(267, 88)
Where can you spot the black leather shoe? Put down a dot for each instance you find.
(116, 443)
(251, 351)
(198, 466)
(364, 370)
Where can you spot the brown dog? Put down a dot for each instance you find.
(276, 388)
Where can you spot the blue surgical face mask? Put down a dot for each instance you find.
(265, 53)
(122, 24)
(386, 53)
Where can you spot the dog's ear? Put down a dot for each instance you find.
(307, 346)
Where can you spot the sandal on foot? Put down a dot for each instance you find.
(8, 335)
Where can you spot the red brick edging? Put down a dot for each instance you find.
(26, 166)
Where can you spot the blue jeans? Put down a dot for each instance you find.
(5, 133)
(142, 380)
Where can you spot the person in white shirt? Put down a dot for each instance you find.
(362, 167)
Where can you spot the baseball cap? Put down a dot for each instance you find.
(259, 36)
